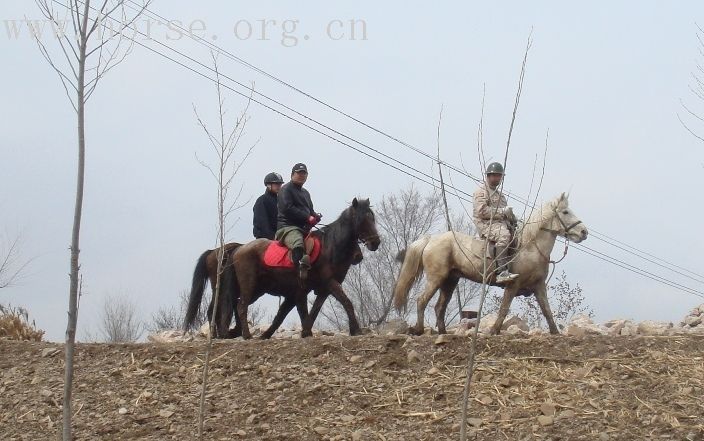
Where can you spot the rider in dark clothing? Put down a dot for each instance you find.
(265, 208)
(296, 217)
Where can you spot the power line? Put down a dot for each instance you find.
(605, 238)
(433, 181)
(590, 251)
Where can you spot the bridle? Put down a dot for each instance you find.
(565, 229)
(365, 239)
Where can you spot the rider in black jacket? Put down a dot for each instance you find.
(265, 210)
(296, 217)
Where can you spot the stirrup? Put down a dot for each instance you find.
(505, 276)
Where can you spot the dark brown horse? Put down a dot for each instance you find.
(206, 271)
(338, 252)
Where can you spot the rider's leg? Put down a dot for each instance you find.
(503, 257)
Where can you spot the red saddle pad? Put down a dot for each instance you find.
(277, 255)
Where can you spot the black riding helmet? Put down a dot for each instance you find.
(495, 168)
(273, 178)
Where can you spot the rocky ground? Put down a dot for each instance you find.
(393, 387)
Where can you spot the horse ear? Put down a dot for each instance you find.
(563, 196)
(355, 202)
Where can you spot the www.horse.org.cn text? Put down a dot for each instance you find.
(286, 32)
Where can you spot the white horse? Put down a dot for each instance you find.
(449, 256)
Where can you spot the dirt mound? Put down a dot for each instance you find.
(363, 388)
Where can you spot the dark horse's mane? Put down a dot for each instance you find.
(339, 237)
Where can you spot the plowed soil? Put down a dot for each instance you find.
(362, 388)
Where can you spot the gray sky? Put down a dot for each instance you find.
(605, 79)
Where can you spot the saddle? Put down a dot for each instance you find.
(278, 256)
(491, 249)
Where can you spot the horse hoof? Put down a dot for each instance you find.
(306, 334)
(415, 331)
(265, 337)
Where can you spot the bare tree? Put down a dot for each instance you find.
(691, 117)
(225, 143)
(467, 291)
(119, 322)
(484, 285)
(401, 218)
(171, 317)
(566, 301)
(12, 266)
(83, 60)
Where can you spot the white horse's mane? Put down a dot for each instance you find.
(537, 219)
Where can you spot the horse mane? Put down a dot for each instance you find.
(530, 229)
(335, 237)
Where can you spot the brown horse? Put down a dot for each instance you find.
(339, 246)
(206, 271)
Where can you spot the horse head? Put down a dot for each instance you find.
(365, 224)
(565, 223)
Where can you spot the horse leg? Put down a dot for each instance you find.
(509, 294)
(237, 330)
(247, 285)
(541, 296)
(302, 308)
(234, 294)
(339, 294)
(283, 311)
(210, 309)
(227, 299)
(242, 308)
(430, 287)
(446, 291)
(224, 310)
(307, 322)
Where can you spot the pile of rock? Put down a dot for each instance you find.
(579, 326)
(694, 321)
(171, 336)
(513, 325)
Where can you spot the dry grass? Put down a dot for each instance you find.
(15, 325)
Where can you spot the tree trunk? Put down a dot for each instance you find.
(75, 236)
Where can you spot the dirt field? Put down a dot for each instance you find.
(363, 388)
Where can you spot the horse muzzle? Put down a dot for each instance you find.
(578, 236)
(372, 243)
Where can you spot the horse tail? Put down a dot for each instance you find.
(411, 270)
(227, 298)
(200, 279)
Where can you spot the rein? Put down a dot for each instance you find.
(362, 240)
